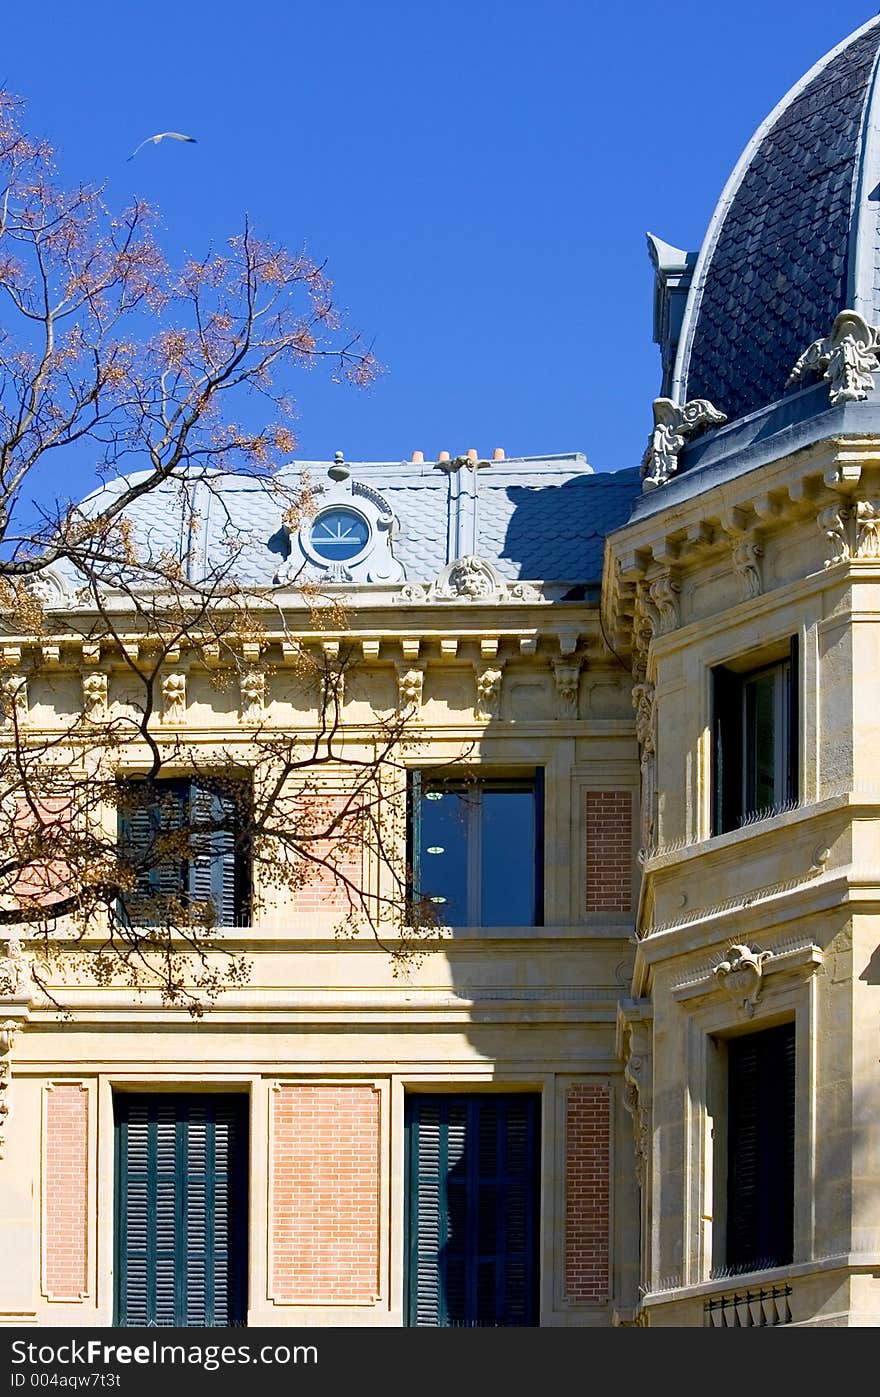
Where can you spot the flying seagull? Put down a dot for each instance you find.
(162, 136)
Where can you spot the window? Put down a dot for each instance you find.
(755, 739)
(476, 849)
(760, 1149)
(339, 534)
(181, 1210)
(185, 842)
(472, 1210)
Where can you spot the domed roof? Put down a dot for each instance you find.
(794, 239)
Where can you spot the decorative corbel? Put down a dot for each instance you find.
(567, 673)
(835, 522)
(747, 550)
(410, 683)
(673, 425)
(95, 696)
(15, 700)
(867, 521)
(664, 592)
(740, 975)
(846, 358)
(488, 680)
(253, 695)
(173, 697)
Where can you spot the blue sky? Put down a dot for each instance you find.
(479, 176)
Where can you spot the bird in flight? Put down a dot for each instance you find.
(162, 136)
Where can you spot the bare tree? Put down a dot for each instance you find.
(115, 824)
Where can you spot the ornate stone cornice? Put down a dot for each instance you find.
(846, 358)
(673, 425)
(470, 579)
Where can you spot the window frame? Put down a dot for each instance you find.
(733, 779)
(184, 790)
(725, 1260)
(532, 779)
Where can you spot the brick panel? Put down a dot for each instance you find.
(608, 825)
(587, 1194)
(324, 1216)
(320, 890)
(65, 1191)
(41, 881)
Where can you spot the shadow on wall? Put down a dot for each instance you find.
(558, 531)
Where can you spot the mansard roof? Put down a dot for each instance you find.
(794, 239)
(534, 518)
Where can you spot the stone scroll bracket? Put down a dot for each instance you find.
(674, 424)
(846, 359)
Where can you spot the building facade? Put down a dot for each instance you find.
(631, 1077)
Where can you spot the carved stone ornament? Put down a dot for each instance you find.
(567, 674)
(852, 530)
(95, 697)
(253, 696)
(173, 698)
(846, 358)
(7, 1033)
(16, 972)
(673, 425)
(15, 700)
(740, 975)
(488, 679)
(644, 704)
(637, 1093)
(834, 524)
(747, 552)
(470, 579)
(867, 528)
(410, 682)
(664, 592)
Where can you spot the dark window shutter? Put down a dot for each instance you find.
(148, 812)
(760, 1166)
(181, 1210)
(727, 752)
(215, 869)
(472, 1210)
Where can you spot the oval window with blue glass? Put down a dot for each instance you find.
(339, 534)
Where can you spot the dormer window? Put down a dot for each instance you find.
(339, 534)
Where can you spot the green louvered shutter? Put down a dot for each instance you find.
(215, 869)
(141, 824)
(760, 1165)
(472, 1219)
(181, 1210)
